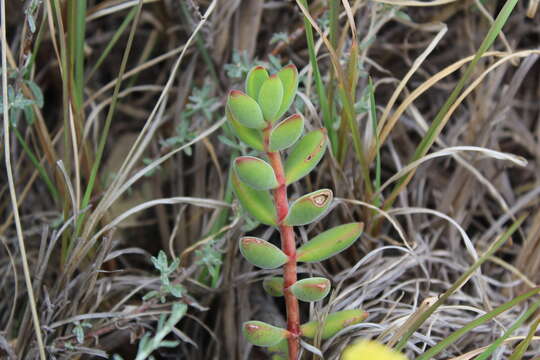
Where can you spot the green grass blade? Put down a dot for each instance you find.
(334, 22)
(345, 94)
(48, 182)
(438, 124)
(328, 121)
(80, 28)
(357, 142)
(76, 31)
(107, 125)
(530, 311)
(113, 41)
(522, 347)
(459, 282)
(335, 144)
(481, 320)
(373, 112)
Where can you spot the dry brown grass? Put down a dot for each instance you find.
(447, 215)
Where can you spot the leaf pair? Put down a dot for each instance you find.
(275, 93)
(267, 98)
(303, 158)
(259, 204)
(265, 255)
(282, 136)
(262, 334)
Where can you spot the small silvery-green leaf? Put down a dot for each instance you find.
(286, 133)
(254, 81)
(251, 137)
(289, 78)
(281, 350)
(256, 202)
(309, 207)
(36, 92)
(270, 97)
(329, 243)
(273, 286)
(263, 334)
(312, 289)
(255, 172)
(246, 110)
(333, 323)
(261, 253)
(305, 155)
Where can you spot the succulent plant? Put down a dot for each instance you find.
(261, 187)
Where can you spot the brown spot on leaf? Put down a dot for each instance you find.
(354, 320)
(252, 328)
(318, 286)
(250, 241)
(321, 199)
(316, 150)
(235, 93)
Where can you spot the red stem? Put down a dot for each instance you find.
(288, 246)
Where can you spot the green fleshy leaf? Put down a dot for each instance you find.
(286, 133)
(312, 289)
(333, 323)
(246, 110)
(263, 334)
(273, 286)
(251, 137)
(309, 207)
(261, 253)
(281, 350)
(255, 172)
(256, 202)
(305, 155)
(330, 242)
(256, 77)
(270, 97)
(289, 78)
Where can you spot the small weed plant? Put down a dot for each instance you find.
(261, 187)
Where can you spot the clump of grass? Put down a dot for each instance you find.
(116, 148)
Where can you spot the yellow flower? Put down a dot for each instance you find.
(371, 350)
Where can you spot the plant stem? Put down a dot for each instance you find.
(288, 246)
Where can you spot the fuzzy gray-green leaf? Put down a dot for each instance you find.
(263, 334)
(273, 286)
(309, 207)
(305, 155)
(333, 323)
(256, 77)
(289, 78)
(256, 202)
(255, 172)
(286, 133)
(270, 97)
(246, 110)
(251, 137)
(329, 243)
(261, 253)
(311, 289)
